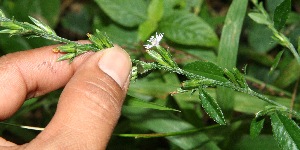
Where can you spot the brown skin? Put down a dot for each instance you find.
(89, 106)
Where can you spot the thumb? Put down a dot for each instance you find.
(90, 104)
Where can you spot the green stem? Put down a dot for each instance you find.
(284, 41)
(155, 135)
(246, 90)
(268, 86)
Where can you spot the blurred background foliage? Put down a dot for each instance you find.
(192, 29)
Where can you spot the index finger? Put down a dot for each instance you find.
(32, 73)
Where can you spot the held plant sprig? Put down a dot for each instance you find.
(39, 29)
(232, 79)
(201, 75)
(286, 132)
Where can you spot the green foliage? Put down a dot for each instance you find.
(281, 14)
(285, 131)
(155, 13)
(280, 17)
(276, 62)
(211, 107)
(128, 13)
(227, 53)
(256, 126)
(173, 99)
(206, 69)
(188, 29)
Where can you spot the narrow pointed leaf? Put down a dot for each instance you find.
(2, 14)
(211, 107)
(286, 131)
(42, 25)
(276, 61)
(259, 18)
(256, 126)
(281, 14)
(228, 49)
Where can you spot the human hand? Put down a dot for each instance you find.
(89, 106)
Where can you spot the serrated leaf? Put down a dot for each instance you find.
(259, 18)
(206, 69)
(43, 26)
(276, 61)
(128, 13)
(188, 29)
(281, 14)
(285, 131)
(211, 107)
(134, 102)
(256, 126)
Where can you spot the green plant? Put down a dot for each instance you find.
(184, 28)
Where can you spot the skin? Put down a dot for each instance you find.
(89, 106)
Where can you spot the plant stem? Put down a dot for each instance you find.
(283, 40)
(245, 90)
(155, 135)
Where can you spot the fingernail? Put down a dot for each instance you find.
(116, 63)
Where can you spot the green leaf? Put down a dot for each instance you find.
(146, 29)
(276, 61)
(228, 49)
(43, 26)
(289, 74)
(281, 14)
(134, 102)
(151, 88)
(259, 18)
(206, 69)
(240, 78)
(67, 56)
(262, 142)
(155, 13)
(211, 107)
(260, 38)
(114, 32)
(166, 122)
(155, 10)
(256, 126)
(188, 29)
(286, 131)
(2, 14)
(298, 45)
(128, 13)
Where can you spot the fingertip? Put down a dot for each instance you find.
(116, 63)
